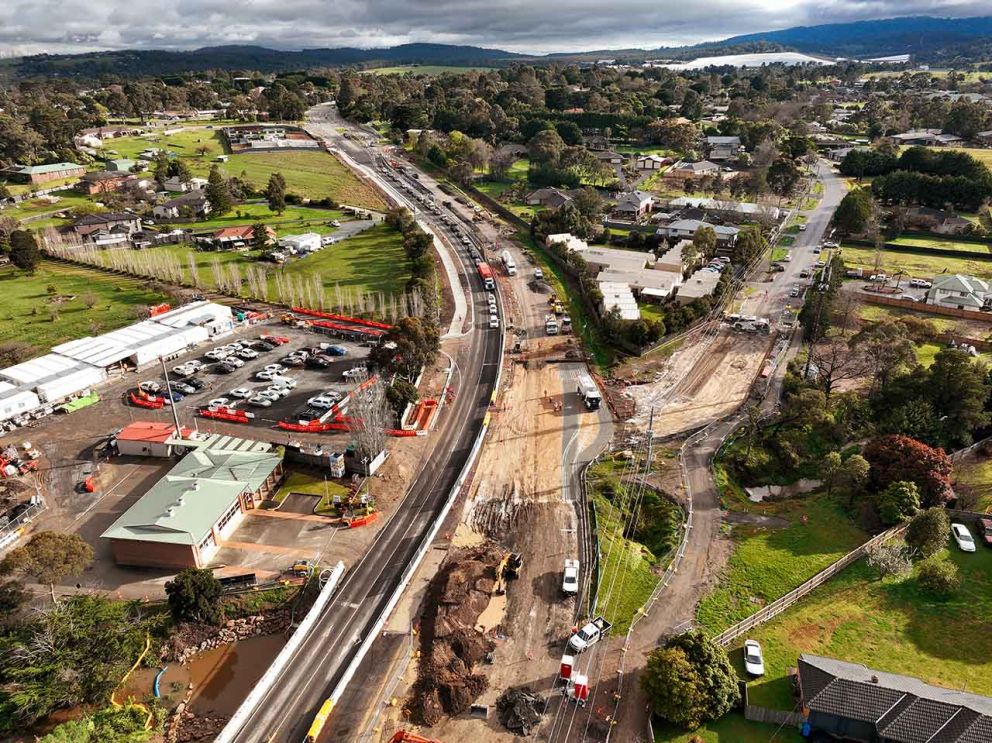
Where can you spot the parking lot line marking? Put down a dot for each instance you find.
(109, 491)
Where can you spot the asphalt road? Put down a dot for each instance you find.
(286, 711)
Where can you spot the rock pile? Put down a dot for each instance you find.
(184, 727)
(519, 709)
(450, 644)
(190, 639)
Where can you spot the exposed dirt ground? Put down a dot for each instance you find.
(713, 379)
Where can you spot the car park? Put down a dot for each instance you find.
(963, 537)
(754, 661)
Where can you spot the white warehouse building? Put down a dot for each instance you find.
(16, 400)
(53, 376)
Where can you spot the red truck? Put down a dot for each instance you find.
(984, 527)
(486, 274)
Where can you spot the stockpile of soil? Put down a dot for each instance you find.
(519, 709)
(450, 646)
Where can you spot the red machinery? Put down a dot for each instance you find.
(231, 415)
(143, 400)
(343, 318)
(402, 736)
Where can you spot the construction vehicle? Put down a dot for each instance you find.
(508, 263)
(589, 635)
(508, 569)
(486, 274)
(302, 568)
(402, 736)
(758, 325)
(551, 325)
(577, 689)
(589, 392)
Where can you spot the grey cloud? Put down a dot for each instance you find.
(521, 25)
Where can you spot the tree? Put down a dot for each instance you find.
(416, 344)
(898, 502)
(49, 557)
(855, 212)
(927, 532)
(194, 596)
(259, 236)
(24, 251)
(690, 680)
(13, 595)
(218, 193)
(939, 577)
(958, 391)
(161, 169)
(783, 177)
(750, 244)
(181, 170)
(852, 477)
(890, 560)
(895, 458)
(275, 193)
(705, 242)
(400, 394)
(546, 147)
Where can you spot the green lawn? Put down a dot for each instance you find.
(981, 154)
(889, 625)
(312, 174)
(944, 243)
(515, 174)
(975, 474)
(732, 728)
(294, 219)
(926, 353)
(922, 266)
(876, 313)
(769, 561)
(299, 482)
(25, 314)
(67, 199)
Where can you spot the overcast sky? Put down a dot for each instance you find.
(533, 26)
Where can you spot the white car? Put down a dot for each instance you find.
(262, 402)
(277, 368)
(354, 372)
(277, 391)
(284, 382)
(194, 365)
(266, 375)
(570, 579)
(963, 537)
(219, 402)
(217, 354)
(493, 321)
(247, 353)
(270, 394)
(242, 392)
(321, 402)
(150, 387)
(754, 661)
(234, 361)
(183, 370)
(802, 228)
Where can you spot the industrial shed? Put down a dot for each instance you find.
(54, 376)
(16, 400)
(216, 319)
(150, 439)
(136, 345)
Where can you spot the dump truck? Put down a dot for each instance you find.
(486, 274)
(589, 635)
(589, 392)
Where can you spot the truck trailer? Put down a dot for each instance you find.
(508, 263)
(486, 274)
(589, 392)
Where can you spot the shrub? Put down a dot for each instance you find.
(927, 532)
(939, 577)
(898, 502)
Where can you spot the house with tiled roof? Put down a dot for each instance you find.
(960, 292)
(852, 702)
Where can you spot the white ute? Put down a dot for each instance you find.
(589, 635)
(570, 579)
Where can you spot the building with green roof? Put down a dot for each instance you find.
(43, 173)
(184, 518)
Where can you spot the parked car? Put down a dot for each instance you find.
(276, 391)
(264, 346)
(217, 354)
(196, 384)
(278, 340)
(277, 368)
(225, 368)
(182, 370)
(776, 267)
(804, 274)
(247, 353)
(754, 661)
(219, 402)
(317, 362)
(920, 283)
(802, 227)
(266, 374)
(186, 389)
(963, 537)
(493, 321)
(152, 387)
(172, 396)
(321, 402)
(351, 373)
(333, 350)
(570, 577)
(260, 400)
(234, 361)
(242, 392)
(294, 361)
(984, 527)
(795, 291)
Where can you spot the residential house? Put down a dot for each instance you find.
(103, 181)
(927, 137)
(674, 259)
(651, 162)
(192, 204)
(228, 238)
(686, 229)
(984, 139)
(552, 198)
(723, 148)
(726, 208)
(701, 283)
(609, 157)
(960, 292)
(307, 242)
(596, 142)
(37, 174)
(936, 220)
(849, 701)
(122, 222)
(176, 185)
(633, 205)
(691, 170)
(122, 165)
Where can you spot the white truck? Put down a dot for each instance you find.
(570, 577)
(508, 263)
(589, 392)
(589, 635)
(551, 325)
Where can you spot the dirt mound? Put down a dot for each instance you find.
(519, 709)
(450, 645)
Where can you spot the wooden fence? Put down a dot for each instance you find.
(782, 603)
(773, 716)
(932, 309)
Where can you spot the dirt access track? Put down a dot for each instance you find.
(712, 377)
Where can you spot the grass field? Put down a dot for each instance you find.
(426, 69)
(314, 175)
(294, 219)
(67, 199)
(975, 474)
(732, 728)
(372, 261)
(921, 266)
(890, 625)
(769, 561)
(299, 482)
(25, 314)
(944, 243)
(875, 313)
(980, 154)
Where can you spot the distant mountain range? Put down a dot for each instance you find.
(927, 38)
